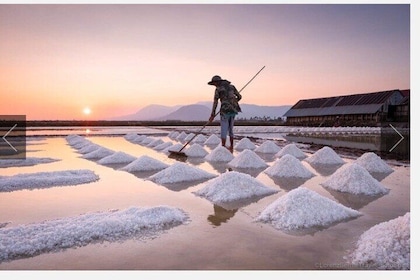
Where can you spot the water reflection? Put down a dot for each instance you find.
(380, 175)
(177, 187)
(221, 215)
(289, 183)
(254, 172)
(354, 201)
(325, 169)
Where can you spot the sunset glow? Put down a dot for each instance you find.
(55, 59)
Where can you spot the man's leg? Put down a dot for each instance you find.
(224, 125)
(231, 122)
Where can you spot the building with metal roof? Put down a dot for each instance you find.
(365, 109)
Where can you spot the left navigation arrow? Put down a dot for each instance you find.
(5, 140)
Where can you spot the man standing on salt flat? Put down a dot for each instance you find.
(229, 107)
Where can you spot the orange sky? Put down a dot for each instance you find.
(55, 60)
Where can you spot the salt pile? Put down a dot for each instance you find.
(50, 236)
(212, 140)
(303, 208)
(233, 186)
(219, 154)
(28, 161)
(200, 138)
(130, 136)
(385, 246)
(89, 148)
(99, 153)
(291, 149)
(189, 136)
(355, 179)
(145, 163)
(268, 147)
(46, 179)
(180, 172)
(373, 163)
(288, 167)
(245, 143)
(74, 140)
(247, 159)
(154, 143)
(174, 148)
(139, 139)
(147, 140)
(163, 146)
(326, 156)
(117, 157)
(196, 150)
(173, 135)
(181, 136)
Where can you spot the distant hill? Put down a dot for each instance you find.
(201, 112)
(193, 112)
(150, 112)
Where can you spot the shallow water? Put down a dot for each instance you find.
(216, 238)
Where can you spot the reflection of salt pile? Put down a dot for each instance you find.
(325, 156)
(353, 178)
(244, 144)
(219, 154)
(291, 149)
(247, 159)
(288, 167)
(117, 157)
(98, 153)
(373, 163)
(233, 186)
(385, 246)
(212, 140)
(196, 150)
(72, 232)
(145, 163)
(180, 172)
(268, 147)
(304, 208)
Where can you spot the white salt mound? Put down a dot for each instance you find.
(212, 140)
(288, 167)
(147, 140)
(385, 246)
(99, 153)
(163, 146)
(117, 157)
(49, 236)
(291, 149)
(189, 136)
(373, 163)
(174, 148)
(326, 156)
(154, 143)
(28, 161)
(196, 150)
(139, 139)
(268, 147)
(303, 208)
(131, 136)
(200, 138)
(233, 186)
(40, 180)
(181, 136)
(89, 148)
(353, 178)
(245, 143)
(180, 172)
(145, 163)
(219, 154)
(247, 159)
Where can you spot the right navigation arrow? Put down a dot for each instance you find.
(399, 141)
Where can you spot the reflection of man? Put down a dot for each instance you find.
(221, 215)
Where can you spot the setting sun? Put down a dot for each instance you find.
(86, 111)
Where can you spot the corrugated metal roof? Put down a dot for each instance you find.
(365, 103)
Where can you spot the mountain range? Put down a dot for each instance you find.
(201, 112)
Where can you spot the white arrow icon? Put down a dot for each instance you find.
(4, 138)
(399, 141)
